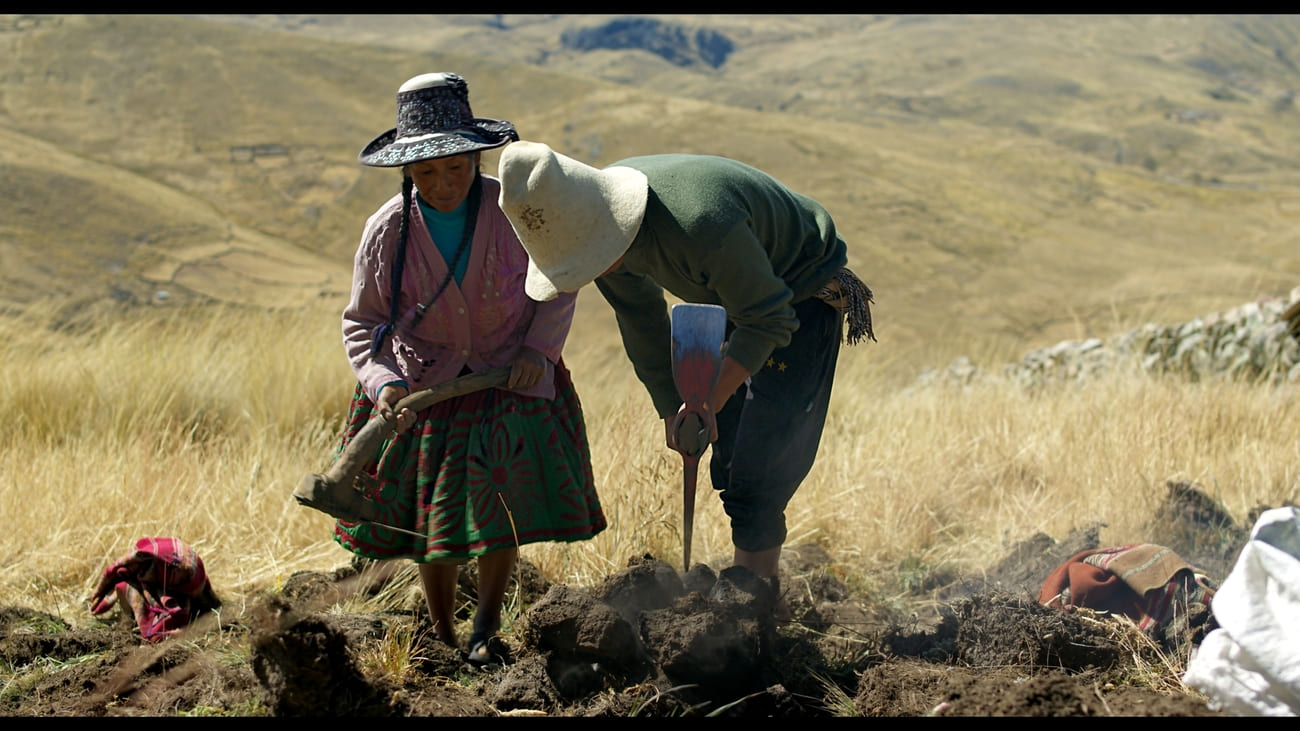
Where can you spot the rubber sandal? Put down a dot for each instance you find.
(337, 500)
(479, 652)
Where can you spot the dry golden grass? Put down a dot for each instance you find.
(199, 423)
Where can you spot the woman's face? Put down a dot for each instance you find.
(444, 183)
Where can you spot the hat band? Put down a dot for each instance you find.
(460, 131)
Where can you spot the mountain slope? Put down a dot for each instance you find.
(1003, 198)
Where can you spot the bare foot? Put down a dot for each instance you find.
(781, 610)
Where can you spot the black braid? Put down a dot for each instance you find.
(399, 263)
(408, 185)
(383, 331)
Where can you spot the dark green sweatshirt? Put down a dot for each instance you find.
(717, 231)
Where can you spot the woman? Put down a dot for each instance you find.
(478, 475)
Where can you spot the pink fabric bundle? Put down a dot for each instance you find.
(164, 584)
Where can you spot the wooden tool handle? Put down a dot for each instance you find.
(363, 446)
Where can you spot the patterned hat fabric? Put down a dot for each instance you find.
(434, 120)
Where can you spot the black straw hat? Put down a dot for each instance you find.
(434, 120)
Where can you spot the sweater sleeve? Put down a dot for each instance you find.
(550, 326)
(368, 306)
(757, 300)
(642, 313)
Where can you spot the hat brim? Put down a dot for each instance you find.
(576, 272)
(387, 151)
(602, 234)
(537, 285)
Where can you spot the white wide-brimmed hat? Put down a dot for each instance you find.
(434, 120)
(574, 220)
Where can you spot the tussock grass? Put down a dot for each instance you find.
(199, 423)
(396, 655)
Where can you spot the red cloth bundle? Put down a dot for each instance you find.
(1142, 581)
(163, 582)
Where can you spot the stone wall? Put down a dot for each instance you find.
(1258, 340)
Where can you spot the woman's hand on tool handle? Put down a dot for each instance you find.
(388, 398)
(527, 368)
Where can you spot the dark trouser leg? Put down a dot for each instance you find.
(769, 432)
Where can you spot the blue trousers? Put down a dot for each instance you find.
(769, 431)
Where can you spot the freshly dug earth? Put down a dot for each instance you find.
(648, 641)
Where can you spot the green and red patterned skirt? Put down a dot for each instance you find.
(476, 473)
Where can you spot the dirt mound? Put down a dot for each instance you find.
(648, 641)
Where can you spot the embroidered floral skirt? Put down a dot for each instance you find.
(476, 473)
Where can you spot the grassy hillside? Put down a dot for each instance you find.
(1191, 95)
(1004, 182)
(990, 173)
